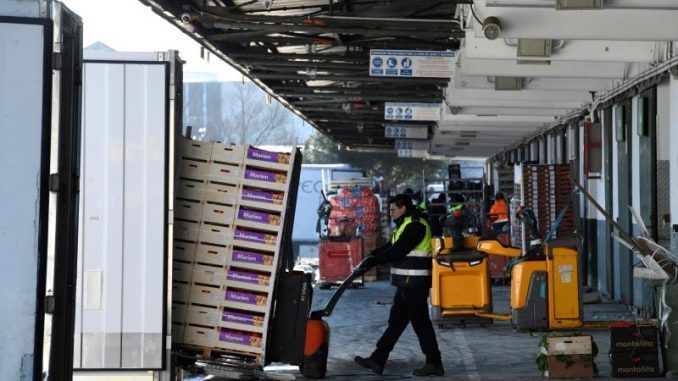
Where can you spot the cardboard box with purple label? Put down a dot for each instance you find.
(248, 280)
(242, 318)
(251, 259)
(240, 338)
(265, 176)
(248, 300)
(254, 239)
(271, 157)
(257, 217)
(262, 197)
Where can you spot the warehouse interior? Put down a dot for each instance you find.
(589, 84)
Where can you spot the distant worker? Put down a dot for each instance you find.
(498, 213)
(409, 254)
(455, 223)
(437, 214)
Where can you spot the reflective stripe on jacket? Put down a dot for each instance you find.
(415, 269)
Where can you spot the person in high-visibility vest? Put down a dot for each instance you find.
(409, 254)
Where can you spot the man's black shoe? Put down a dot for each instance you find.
(429, 370)
(367, 362)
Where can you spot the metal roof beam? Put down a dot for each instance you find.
(404, 81)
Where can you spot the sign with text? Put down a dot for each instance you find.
(404, 131)
(412, 111)
(412, 63)
(413, 153)
(416, 144)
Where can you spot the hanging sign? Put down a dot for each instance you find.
(412, 63)
(415, 144)
(412, 111)
(413, 153)
(405, 131)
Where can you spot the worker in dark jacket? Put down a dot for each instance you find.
(409, 254)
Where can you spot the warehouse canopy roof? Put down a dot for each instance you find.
(539, 67)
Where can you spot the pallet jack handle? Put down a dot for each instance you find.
(357, 272)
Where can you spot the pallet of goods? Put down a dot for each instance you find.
(231, 207)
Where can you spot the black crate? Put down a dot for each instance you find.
(633, 338)
(634, 364)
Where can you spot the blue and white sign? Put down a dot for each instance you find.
(413, 144)
(404, 131)
(412, 111)
(413, 153)
(412, 63)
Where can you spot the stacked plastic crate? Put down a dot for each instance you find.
(547, 191)
(229, 215)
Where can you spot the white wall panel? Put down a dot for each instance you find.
(123, 215)
(21, 129)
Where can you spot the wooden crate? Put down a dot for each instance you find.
(179, 312)
(215, 235)
(209, 275)
(207, 191)
(225, 173)
(217, 214)
(186, 231)
(182, 272)
(184, 251)
(213, 255)
(178, 332)
(225, 317)
(192, 149)
(181, 292)
(228, 153)
(188, 210)
(268, 221)
(222, 338)
(278, 161)
(248, 259)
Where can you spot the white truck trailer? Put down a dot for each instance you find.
(40, 63)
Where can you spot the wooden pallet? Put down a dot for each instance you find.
(247, 359)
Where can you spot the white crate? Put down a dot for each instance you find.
(213, 255)
(265, 200)
(227, 153)
(196, 150)
(181, 292)
(184, 251)
(209, 275)
(221, 193)
(190, 190)
(225, 173)
(210, 296)
(217, 214)
(188, 210)
(178, 332)
(216, 235)
(194, 170)
(182, 272)
(186, 231)
(179, 312)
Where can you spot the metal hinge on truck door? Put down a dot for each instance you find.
(54, 182)
(57, 61)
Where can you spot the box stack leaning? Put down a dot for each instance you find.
(229, 215)
(633, 350)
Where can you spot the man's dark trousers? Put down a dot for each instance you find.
(410, 305)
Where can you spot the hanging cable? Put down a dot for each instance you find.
(473, 12)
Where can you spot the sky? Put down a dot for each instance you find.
(128, 25)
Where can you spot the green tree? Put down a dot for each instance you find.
(397, 171)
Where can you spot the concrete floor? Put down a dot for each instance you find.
(495, 352)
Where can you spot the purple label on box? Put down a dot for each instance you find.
(247, 277)
(274, 157)
(242, 318)
(250, 215)
(245, 297)
(255, 258)
(269, 198)
(253, 174)
(239, 338)
(246, 235)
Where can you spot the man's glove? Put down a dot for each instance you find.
(366, 264)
